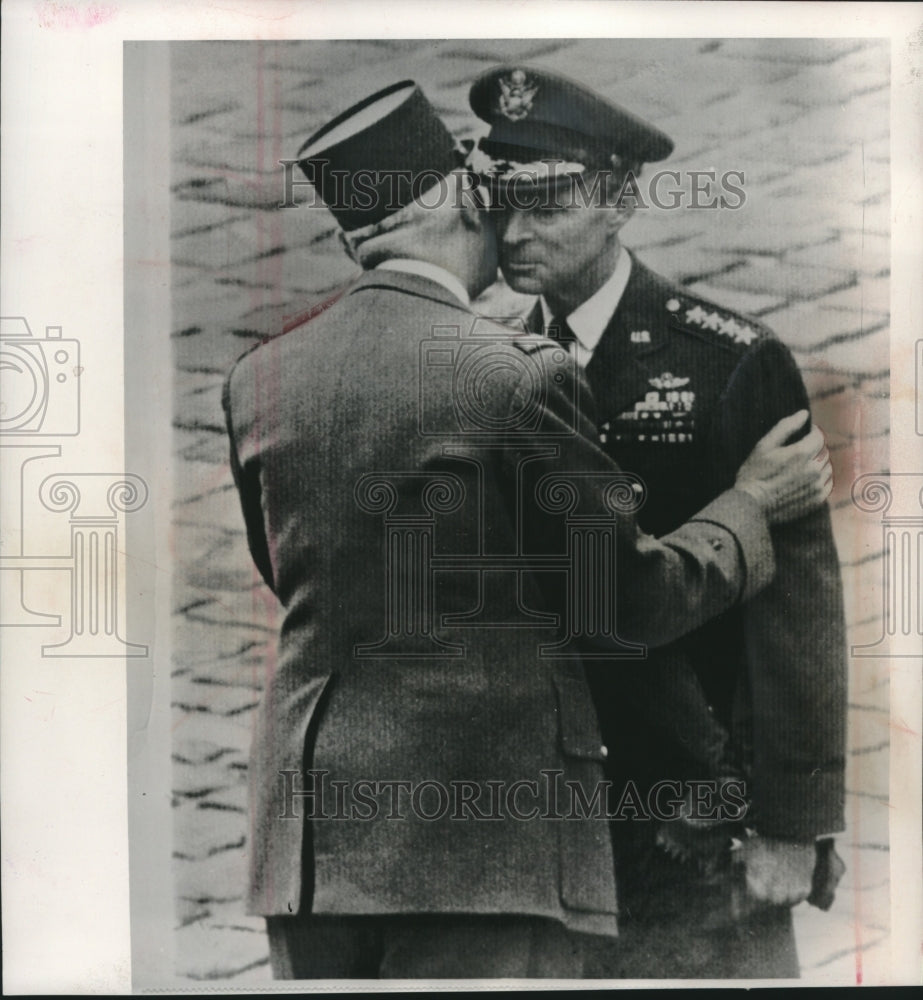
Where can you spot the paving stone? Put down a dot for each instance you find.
(246, 670)
(194, 783)
(871, 353)
(218, 877)
(322, 275)
(196, 751)
(232, 799)
(255, 609)
(205, 305)
(750, 303)
(224, 699)
(762, 275)
(213, 565)
(190, 218)
(210, 348)
(794, 50)
(827, 946)
(202, 833)
(221, 246)
(200, 406)
(227, 915)
(860, 71)
(871, 296)
(807, 325)
(196, 639)
(208, 447)
(204, 490)
(189, 911)
(233, 732)
(215, 954)
(867, 253)
(678, 262)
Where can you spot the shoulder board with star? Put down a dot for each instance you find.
(712, 322)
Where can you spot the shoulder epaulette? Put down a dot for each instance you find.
(701, 316)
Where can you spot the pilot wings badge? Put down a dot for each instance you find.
(668, 381)
(516, 95)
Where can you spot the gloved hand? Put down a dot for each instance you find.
(779, 872)
(827, 874)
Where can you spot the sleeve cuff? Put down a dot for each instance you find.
(800, 806)
(742, 516)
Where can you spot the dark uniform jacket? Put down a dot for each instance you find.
(683, 390)
(345, 467)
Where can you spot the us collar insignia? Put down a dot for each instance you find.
(668, 381)
(516, 95)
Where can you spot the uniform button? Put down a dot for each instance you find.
(716, 544)
(673, 305)
(604, 751)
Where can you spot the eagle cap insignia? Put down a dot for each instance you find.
(516, 95)
(668, 381)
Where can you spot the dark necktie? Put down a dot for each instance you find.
(559, 329)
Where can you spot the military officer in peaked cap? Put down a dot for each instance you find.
(683, 387)
(333, 426)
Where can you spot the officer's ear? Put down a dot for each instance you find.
(471, 198)
(618, 215)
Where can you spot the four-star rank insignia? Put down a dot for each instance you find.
(714, 321)
(516, 95)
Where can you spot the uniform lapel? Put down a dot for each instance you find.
(535, 318)
(621, 366)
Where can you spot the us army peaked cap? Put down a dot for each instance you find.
(535, 115)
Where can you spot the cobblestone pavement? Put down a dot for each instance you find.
(807, 122)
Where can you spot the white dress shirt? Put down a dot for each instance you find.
(590, 319)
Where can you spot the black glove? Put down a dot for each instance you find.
(828, 870)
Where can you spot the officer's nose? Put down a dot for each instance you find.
(514, 228)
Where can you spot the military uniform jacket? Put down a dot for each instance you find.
(683, 390)
(344, 465)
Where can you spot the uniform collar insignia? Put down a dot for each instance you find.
(517, 92)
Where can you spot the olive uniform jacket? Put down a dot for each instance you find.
(683, 390)
(346, 451)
